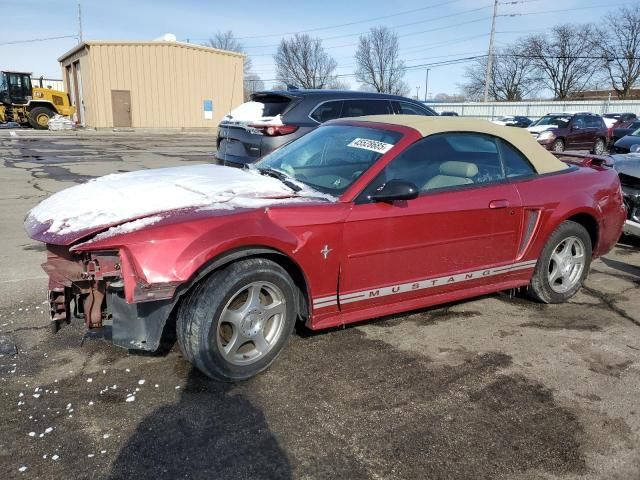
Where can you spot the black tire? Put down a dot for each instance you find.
(558, 146)
(200, 311)
(37, 115)
(599, 147)
(540, 287)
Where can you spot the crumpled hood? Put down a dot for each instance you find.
(541, 128)
(116, 199)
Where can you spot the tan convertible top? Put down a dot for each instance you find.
(542, 160)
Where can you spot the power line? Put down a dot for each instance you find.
(429, 20)
(34, 40)
(562, 10)
(373, 19)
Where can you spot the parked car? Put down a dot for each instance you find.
(626, 128)
(618, 118)
(273, 118)
(614, 120)
(449, 114)
(627, 144)
(358, 219)
(571, 131)
(513, 121)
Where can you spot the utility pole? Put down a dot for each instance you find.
(426, 84)
(79, 23)
(487, 78)
(417, 92)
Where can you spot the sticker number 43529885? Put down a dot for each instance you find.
(373, 145)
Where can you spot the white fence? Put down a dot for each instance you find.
(493, 110)
(48, 82)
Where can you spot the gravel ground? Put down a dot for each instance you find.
(495, 387)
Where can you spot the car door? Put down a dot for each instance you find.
(465, 221)
(577, 133)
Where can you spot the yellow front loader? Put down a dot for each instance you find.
(24, 104)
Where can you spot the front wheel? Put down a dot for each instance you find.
(563, 264)
(598, 147)
(558, 146)
(234, 323)
(39, 118)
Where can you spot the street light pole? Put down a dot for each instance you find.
(417, 92)
(426, 84)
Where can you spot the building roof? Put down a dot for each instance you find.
(542, 160)
(192, 46)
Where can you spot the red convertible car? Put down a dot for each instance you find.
(358, 219)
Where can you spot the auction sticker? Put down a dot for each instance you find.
(373, 145)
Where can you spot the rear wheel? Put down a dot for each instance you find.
(563, 264)
(234, 323)
(558, 146)
(39, 117)
(598, 147)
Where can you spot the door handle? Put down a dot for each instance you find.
(502, 203)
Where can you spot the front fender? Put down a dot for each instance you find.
(248, 231)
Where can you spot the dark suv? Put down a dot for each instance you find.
(273, 118)
(571, 131)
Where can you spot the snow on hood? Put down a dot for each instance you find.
(118, 198)
(541, 128)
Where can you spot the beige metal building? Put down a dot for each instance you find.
(164, 85)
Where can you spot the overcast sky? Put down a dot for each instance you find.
(430, 30)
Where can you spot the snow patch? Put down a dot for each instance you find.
(246, 112)
(128, 227)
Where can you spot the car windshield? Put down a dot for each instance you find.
(636, 133)
(558, 121)
(331, 158)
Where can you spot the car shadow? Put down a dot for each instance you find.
(209, 433)
(622, 267)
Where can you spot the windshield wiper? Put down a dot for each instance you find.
(283, 177)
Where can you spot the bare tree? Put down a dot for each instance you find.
(512, 76)
(378, 62)
(228, 41)
(564, 58)
(620, 48)
(252, 83)
(302, 61)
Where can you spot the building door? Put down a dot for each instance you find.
(121, 107)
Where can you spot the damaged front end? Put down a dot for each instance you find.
(102, 289)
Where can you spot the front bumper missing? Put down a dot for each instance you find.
(90, 286)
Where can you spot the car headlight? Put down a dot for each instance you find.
(548, 135)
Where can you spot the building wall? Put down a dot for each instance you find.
(85, 112)
(169, 83)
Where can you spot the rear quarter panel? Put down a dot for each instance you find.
(592, 191)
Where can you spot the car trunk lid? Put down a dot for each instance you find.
(238, 135)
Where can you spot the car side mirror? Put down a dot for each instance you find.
(394, 190)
